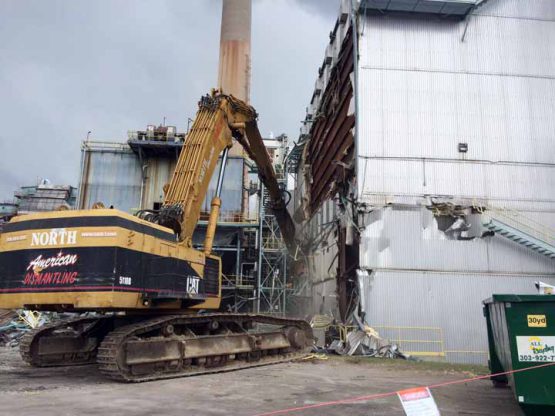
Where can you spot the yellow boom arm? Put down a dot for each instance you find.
(219, 118)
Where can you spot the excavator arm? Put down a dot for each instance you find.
(219, 118)
(254, 146)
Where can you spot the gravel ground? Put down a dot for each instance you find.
(82, 391)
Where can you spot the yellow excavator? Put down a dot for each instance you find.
(148, 291)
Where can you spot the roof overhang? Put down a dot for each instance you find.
(446, 8)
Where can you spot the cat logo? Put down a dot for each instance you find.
(192, 285)
(537, 321)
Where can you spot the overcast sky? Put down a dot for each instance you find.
(108, 66)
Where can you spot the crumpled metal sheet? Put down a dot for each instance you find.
(366, 344)
(371, 345)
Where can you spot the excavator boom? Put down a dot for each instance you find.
(219, 118)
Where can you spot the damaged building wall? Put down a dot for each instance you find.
(420, 277)
(330, 148)
(324, 177)
(455, 124)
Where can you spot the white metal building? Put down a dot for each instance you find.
(442, 189)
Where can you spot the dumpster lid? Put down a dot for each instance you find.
(519, 298)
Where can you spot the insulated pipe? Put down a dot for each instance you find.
(215, 207)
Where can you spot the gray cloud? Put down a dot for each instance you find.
(327, 8)
(70, 66)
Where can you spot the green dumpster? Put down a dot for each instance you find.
(521, 334)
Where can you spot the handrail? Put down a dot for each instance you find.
(518, 221)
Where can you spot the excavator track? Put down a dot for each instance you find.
(188, 345)
(72, 341)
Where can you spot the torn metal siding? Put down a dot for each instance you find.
(330, 148)
(324, 171)
(409, 239)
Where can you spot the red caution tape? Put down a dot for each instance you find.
(393, 393)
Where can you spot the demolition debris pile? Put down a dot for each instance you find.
(11, 328)
(14, 324)
(359, 340)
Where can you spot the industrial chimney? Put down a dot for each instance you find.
(235, 66)
(235, 49)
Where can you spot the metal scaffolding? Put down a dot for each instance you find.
(271, 288)
(254, 255)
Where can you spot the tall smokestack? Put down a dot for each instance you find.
(235, 49)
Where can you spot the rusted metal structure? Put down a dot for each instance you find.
(330, 153)
(331, 148)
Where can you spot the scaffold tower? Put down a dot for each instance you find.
(272, 264)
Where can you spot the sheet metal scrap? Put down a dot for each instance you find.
(360, 341)
(14, 324)
(368, 344)
(11, 329)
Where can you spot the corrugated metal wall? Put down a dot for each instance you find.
(231, 190)
(424, 89)
(450, 302)
(158, 172)
(111, 174)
